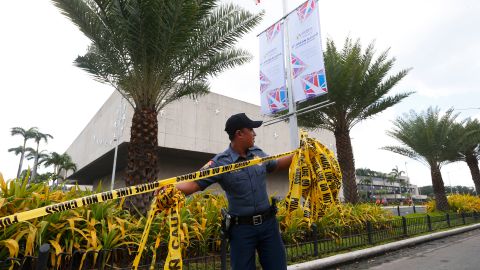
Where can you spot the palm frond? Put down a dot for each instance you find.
(429, 134)
(379, 106)
(17, 150)
(404, 151)
(146, 49)
(358, 84)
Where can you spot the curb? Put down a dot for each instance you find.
(377, 250)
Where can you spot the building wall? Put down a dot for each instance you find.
(186, 125)
(378, 184)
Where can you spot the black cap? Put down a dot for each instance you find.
(239, 121)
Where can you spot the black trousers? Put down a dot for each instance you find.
(264, 238)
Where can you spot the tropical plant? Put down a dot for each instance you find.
(41, 158)
(68, 166)
(429, 138)
(404, 187)
(367, 181)
(27, 135)
(358, 84)
(469, 151)
(60, 163)
(365, 172)
(459, 203)
(396, 173)
(153, 53)
(38, 137)
(56, 160)
(94, 227)
(19, 150)
(394, 178)
(428, 190)
(46, 177)
(107, 225)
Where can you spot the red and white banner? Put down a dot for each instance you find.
(306, 55)
(273, 92)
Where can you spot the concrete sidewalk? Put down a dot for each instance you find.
(377, 250)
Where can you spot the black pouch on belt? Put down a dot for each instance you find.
(274, 206)
(226, 221)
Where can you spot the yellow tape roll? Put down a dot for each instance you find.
(315, 179)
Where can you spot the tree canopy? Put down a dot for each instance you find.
(359, 84)
(154, 52)
(430, 138)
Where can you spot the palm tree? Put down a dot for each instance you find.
(27, 135)
(364, 172)
(358, 84)
(153, 53)
(56, 160)
(391, 180)
(429, 138)
(45, 177)
(469, 150)
(366, 181)
(19, 150)
(39, 159)
(394, 174)
(67, 165)
(38, 137)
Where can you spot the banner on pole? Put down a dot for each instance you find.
(306, 55)
(273, 92)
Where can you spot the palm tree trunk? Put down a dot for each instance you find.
(347, 164)
(142, 155)
(472, 163)
(35, 165)
(22, 156)
(34, 171)
(438, 188)
(55, 174)
(20, 164)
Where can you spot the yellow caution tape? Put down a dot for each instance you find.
(172, 200)
(314, 176)
(130, 191)
(174, 256)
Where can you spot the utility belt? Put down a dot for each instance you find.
(256, 220)
(229, 220)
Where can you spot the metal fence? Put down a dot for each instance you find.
(214, 254)
(405, 209)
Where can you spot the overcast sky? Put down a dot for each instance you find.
(439, 39)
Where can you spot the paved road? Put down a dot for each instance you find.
(459, 252)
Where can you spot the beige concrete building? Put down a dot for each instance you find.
(190, 133)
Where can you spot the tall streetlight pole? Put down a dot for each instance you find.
(292, 120)
(408, 180)
(118, 129)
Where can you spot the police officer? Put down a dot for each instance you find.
(254, 226)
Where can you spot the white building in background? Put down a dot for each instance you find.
(190, 133)
(377, 188)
